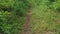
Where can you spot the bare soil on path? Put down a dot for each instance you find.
(27, 24)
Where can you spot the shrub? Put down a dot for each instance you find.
(10, 12)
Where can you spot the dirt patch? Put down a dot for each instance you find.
(50, 32)
(27, 24)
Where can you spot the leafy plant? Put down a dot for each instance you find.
(10, 15)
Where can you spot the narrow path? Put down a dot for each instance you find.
(27, 24)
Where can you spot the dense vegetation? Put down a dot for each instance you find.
(12, 15)
(45, 18)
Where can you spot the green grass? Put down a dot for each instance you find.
(45, 18)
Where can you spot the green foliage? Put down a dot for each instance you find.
(45, 17)
(13, 15)
(10, 15)
(21, 6)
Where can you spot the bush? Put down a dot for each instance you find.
(10, 15)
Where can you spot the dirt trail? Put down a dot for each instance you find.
(27, 24)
